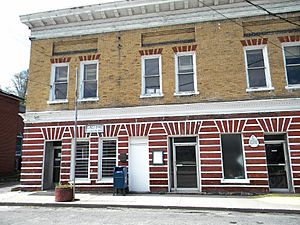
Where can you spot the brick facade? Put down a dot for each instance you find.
(11, 126)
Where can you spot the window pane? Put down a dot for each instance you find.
(109, 155)
(292, 55)
(255, 58)
(61, 73)
(60, 90)
(232, 154)
(152, 85)
(90, 89)
(257, 78)
(151, 67)
(185, 64)
(90, 72)
(186, 82)
(293, 74)
(82, 159)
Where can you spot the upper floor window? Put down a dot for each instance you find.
(151, 75)
(59, 82)
(257, 68)
(185, 64)
(89, 79)
(292, 65)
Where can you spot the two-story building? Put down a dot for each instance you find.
(191, 95)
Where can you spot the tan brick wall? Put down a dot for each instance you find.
(220, 68)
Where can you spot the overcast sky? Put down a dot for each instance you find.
(14, 42)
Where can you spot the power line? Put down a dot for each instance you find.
(272, 14)
(245, 28)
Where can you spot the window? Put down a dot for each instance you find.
(59, 83)
(89, 76)
(257, 68)
(151, 76)
(185, 73)
(82, 160)
(292, 65)
(108, 158)
(232, 155)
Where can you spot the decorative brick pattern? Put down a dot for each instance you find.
(258, 41)
(293, 38)
(89, 57)
(155, 51)
(61, 60)
(185, 48)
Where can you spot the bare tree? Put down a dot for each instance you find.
(19, 84)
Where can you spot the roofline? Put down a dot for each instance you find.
(11, 95)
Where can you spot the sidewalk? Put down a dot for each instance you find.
(264, 203)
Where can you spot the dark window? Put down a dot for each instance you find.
(185, 73)
(82, 159)
(151, 76)
(90, 81)
(232, 154)
(109, 155)
(274, 137)
(256, 68)
(60, 84)
(292, 61)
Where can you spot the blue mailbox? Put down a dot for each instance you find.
(120, 179)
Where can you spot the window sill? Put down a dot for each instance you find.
(235, 181)
(186, 93)
(105, 181)
(152, 96)
(57, 101)
(81, 181)
(260, 89)
(88, 99)
(295, 87)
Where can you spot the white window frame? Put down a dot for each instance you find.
(268, 86)
(241, 181)
(143, 91)
(52, 99)
(289, 86)
(177, 92)
(100, 156)
(81, 180)
(81, 93)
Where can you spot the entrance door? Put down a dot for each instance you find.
(184, 167)
(52, 158)
(278, 165)
(138, 165)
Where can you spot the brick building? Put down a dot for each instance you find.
(190, 95)
(11, 130)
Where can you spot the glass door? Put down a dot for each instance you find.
(185, 166)
(277, 164)
(56, 164)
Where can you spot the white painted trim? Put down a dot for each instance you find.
(267, 73)
(212, 108)
(52, 99)
(289, 44)
(193, 14)
(180, 93)
(143, 93)
(81, 86)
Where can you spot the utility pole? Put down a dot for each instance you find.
(73, 158)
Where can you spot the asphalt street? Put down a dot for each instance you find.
(124, 216)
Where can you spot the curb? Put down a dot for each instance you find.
(78, 205)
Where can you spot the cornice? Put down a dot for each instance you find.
(139, 14)
(195, 109)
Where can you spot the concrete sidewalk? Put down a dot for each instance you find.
(263, 203)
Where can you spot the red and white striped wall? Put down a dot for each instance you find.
(157, 130)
